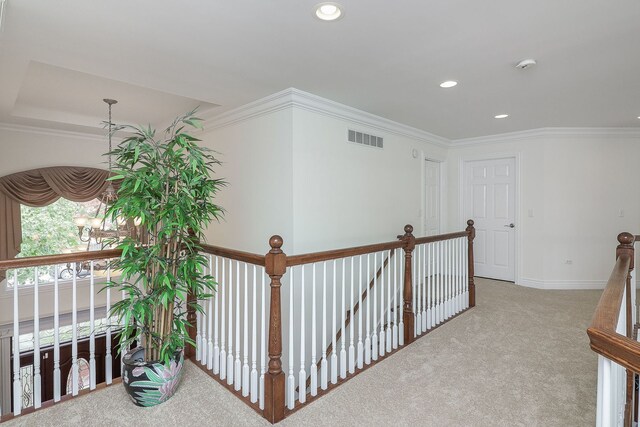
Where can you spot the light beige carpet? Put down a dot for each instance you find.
(521, 357)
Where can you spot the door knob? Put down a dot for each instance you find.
(510, 225)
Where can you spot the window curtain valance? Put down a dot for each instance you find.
(41, 187)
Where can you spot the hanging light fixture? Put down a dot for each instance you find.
(98, 228)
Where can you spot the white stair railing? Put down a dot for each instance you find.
(49, 313)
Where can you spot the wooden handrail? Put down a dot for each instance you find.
(604, 339)
(341, 253)
(247, 257)
(237, 255)
(37, 261)
(441, 237)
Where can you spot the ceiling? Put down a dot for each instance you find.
(159, 58)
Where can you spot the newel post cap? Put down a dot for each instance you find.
(626, 239)
(275, 242)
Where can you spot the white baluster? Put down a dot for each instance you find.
(199, 334)
(343, 351)
(436, 279)
(367, 340)
(37, 379)
(416, 290)
(401, 292)
(230, 355)
(396, 309)
(465, 266)
(436, 291)
(203, 334)
(263, 342)
(425, 288)
(237, 372)
(445, 282)
(302, 375)
(452, 266)
(17, 383)
(429, 287)
(374, 338)
(216, 347)
(222, 285)
(56, 336)
(447, 271)
(291, 380)
(245, 345)
(381, 335)
(313, 370)
(334, 345)
(323, 362)
(210, 317)
(457, 275)
(442, 283)
(388, 329)
(92, 324)
(462, 267)
(360, 308)
(414, 294)
(74, 331)
(254, 337)
(108, 360)
(352, 320)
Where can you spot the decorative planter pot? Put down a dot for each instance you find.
(150, 383)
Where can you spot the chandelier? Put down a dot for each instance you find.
(98, 229)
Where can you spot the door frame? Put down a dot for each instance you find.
(517, 214)
(423, 190)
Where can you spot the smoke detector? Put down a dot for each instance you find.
(526, 63)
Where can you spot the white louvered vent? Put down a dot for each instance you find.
(365, 139)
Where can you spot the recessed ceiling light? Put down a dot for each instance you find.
(501, 116)
(328, 11)
(448, 84)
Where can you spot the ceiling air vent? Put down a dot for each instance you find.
(365, 139)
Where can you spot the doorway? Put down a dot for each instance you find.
(489, 198)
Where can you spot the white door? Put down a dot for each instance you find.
(489, 199)
(432, 198)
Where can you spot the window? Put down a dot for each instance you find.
(50, 230)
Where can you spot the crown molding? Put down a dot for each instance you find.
(550, 132)
(51, 132)
(297, 98)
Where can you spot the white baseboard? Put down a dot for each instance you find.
(562, 284)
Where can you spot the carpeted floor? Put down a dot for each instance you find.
(521, 357)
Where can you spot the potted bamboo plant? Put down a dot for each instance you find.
(166, 185)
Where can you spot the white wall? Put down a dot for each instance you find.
(26, 148)
(348, 194)
(575, 185)
(256, 156)
(292, 172)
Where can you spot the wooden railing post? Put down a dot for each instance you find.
(471, 234)
(625, 247)
(274, 380)
(407, 310)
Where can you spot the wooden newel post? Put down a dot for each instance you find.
(625, 247)
(274, 380)
(471, 234)
(407, 294)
